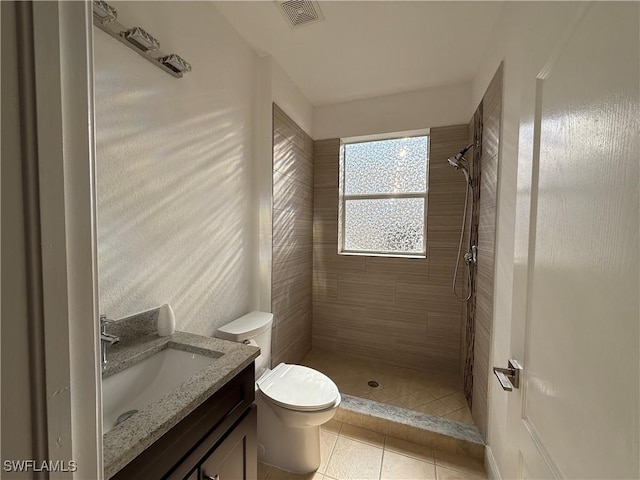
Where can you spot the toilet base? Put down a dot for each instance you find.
(295, 450)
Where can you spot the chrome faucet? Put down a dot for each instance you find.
(106, 338)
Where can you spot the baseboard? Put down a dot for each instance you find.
(491, 465)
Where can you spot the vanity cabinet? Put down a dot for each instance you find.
(235, 457)
(217, 440)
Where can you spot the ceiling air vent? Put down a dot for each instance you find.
(300, 12)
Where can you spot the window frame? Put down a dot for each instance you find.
(343, 198)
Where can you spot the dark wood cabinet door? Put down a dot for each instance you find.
(195, 475)
(236, 458)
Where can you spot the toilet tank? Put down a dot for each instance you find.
(254, 328)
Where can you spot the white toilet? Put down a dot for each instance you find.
(293, 400)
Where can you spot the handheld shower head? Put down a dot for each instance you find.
(455, 161)
(460, 163)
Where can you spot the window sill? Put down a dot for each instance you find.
(388, 255)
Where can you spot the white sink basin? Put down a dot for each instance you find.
(142, 383)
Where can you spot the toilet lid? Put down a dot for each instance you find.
(298, 388)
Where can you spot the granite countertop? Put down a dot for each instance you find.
(127, 440)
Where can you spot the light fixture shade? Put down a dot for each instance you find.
(104, 12)
(142, 39)
(176, 63)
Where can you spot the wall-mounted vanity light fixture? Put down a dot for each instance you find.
(103, 12)
(138, 40)
(176, 63)
(142, 39)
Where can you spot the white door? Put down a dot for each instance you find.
(578, 404)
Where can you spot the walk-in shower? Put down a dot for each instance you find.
(459, 162)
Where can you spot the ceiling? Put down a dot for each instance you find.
(369, 48)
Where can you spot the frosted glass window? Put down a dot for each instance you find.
(388, 225)
(383, 195)
(386, 166)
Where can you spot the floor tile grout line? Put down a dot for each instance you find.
(326, 466)
(413, 457)
(381, 463)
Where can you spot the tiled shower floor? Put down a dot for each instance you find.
(439, 395)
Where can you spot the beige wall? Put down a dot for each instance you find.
(435, 107)
(290, 98)
(397, 310)
(176, 203)
(292, 239)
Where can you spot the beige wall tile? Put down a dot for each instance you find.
(444, 327)
(395, 324)
(325, 256)
(325, 285)
(365, 344)
(290, 194)
(396, 266)
(366, 290)
(398, 294)
(492, 118)
(292, 240)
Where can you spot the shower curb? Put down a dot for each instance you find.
(421, 428)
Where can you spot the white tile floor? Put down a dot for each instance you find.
(439, 395)
(354, 453)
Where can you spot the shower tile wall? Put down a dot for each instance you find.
(491, 121)
(396, 310)
(292, 239)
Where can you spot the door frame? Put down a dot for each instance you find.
(57, 135)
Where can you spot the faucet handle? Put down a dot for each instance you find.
(104, 320)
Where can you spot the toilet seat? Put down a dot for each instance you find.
(299, 388)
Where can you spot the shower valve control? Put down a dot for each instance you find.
(509, 377)
(471, 257)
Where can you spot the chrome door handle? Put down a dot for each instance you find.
(509, 377)
(503, 379)
(209, 477)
